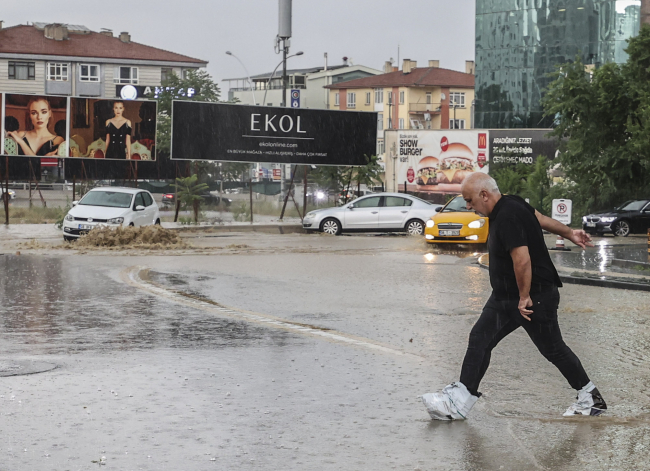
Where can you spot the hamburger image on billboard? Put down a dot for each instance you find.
(455, 163)
(427, 173)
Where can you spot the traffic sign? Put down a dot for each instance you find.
(562, 211)
(295, 98)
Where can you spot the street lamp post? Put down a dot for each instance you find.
(247, 75)
(268, 83)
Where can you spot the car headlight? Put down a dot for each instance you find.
(310, 215)
(610, 219)
(69, 217)
(476, 224)
(431, 223)
(584, 218)
(116, 221)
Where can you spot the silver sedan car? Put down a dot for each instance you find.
(378, 212)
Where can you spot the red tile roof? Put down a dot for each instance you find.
(418, 77)
(27, 39)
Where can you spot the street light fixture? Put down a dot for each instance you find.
(299, 53)
(247, 74)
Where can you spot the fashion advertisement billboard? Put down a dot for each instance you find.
(434, 161)
(62, 127)
(34, 125)
(231, 132)
(113, 129)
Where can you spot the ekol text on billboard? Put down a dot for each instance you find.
(436, 161)
(218, 131)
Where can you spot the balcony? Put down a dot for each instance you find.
(421, 108)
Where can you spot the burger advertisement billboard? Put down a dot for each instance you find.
(435, 161)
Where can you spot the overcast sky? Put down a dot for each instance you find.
(367, 31)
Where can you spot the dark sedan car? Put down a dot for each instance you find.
(169, 199)
(632, 217)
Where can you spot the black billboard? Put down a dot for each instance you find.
(521, 146)
(241, 133)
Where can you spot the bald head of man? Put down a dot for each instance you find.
(481, 192)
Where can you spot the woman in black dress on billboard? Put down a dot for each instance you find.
(37, 140)
(118, 134)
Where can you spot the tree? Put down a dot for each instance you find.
(197, 86)
(605, 121)
(188, 192)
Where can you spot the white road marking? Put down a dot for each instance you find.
(137, 277)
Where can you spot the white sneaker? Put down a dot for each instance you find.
(453, 403)
(589, 402)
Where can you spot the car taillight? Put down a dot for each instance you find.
(169, 196)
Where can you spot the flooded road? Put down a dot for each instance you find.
(258, 351)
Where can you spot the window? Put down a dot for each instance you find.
(396, 201)
(126, 75)
(22, 70)
(390, 97)
(456, 124)
(401, 97)
(371, 202)
(337, 99)
(401, 123)
(457, 99)
(88, 73)
(380, 147)
(57, 71)
(165, 73)
(380, 121)
(379, 95)
(352, 100)
(139, 200)
(429, 98)
(368, 97)
(148, 201)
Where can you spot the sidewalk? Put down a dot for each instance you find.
(598, 266)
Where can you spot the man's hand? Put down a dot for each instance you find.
(525, 303)
(580, 238)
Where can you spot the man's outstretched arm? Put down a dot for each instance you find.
(577, 236)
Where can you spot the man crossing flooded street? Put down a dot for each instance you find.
(524, 294)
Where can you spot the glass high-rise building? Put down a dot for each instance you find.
(519, 43)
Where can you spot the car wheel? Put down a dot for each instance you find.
(131, 225)
(157, 223)
(621, 228)
(415, 227)
(331, 226)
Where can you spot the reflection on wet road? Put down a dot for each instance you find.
(152, 381)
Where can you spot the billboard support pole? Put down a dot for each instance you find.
(5, 194)
(304, 196)
(250, 192)
(286, 197)
(33, 175)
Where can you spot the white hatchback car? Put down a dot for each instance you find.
(110, 206)
(374, 213)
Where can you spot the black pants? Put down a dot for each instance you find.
(501, 317)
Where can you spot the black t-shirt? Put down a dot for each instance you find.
(513, 224)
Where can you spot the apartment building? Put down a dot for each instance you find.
(62, 59)
(310, 83)
(412, 98)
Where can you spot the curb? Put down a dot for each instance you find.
(629, 263)
(265, 228)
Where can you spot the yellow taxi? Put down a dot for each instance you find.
(455, 224)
